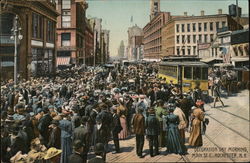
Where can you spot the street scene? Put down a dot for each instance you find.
(93, 81)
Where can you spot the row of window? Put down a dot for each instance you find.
(196, 73)
(38, 26)
(169, 71)
(205, 26)
(182, 50)
(187, 38)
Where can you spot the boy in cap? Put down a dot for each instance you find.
(99, 152)
(76, 157)
(153, 130)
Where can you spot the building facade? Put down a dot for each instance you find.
(105, 47)
(134, 48)
(89, 44)
(152, 40)
(193, 35)
(36, 51)
(71, 32)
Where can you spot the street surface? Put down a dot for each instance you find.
(226, 139)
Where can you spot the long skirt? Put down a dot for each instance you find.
(66, 149)
(174, 141)
(195, 138)
(124, 133)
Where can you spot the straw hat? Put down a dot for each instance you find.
(52, 152)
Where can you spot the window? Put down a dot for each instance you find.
(50, 31)
(204, 74)
(178, 39)
(183, 39)
(199, 26)
(205, 26)
(194, 27)
(211, 37)
(211, 26)
(66, 4)
(194, 38)
(6, 24)
(188, 72)
(177, 27)
(37, 26)
(223, 24)
(188, 27)
(183, 50)
(205, 38)
(66, 18)
(178, 50)
(183, 27)
(66, 39)
(189, 50)
(188, 38)
(217, 25)
(194, 50)
(196, 73)
(200, 38)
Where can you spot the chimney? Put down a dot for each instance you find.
(202, 12)
(185, 14)
(219, 11)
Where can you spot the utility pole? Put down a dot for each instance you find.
(237, 14)
(16, 37)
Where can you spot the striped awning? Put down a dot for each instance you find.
(63, 60)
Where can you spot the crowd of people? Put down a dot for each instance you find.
(65, 118)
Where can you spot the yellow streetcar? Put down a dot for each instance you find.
(188, 72)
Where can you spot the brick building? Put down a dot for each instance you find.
(36, 52)
(89, 44)
(153, 31)
(71, 32)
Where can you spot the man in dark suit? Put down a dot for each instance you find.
(43, 126)
(76, 157)
(82, 133)
(138, 123)
(99, 151)
(116, 130)
(153, 130)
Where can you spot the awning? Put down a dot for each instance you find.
(207, 60)
(240, 59)
(62, 60)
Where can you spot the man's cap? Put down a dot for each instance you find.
(78, 144)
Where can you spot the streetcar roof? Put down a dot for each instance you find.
(184, 64)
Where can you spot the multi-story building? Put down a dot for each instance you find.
(96, 23)
(105, 52)
(36, 48)
(89, 44)
(153, 32)
(190, 35)
(71, 32)
(135, 38)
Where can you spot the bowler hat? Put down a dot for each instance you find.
(99, 148)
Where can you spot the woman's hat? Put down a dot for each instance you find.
(52, 152)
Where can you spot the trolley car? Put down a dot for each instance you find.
(189, 73)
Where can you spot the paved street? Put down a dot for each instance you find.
(226, 139)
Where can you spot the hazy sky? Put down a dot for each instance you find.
(116, 14)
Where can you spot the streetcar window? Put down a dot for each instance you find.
(196, 73)
(188, 72)
(204, 73)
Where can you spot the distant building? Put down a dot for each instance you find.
(135, 38)
(121, 49)
(193, 35)
(104, 46)
(36, 52)
(71, 32)
(154, 8)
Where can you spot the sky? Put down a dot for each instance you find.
(116, 14)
